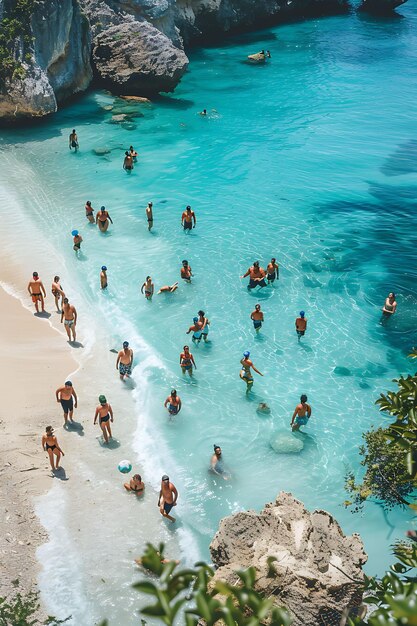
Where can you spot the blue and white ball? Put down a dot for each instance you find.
(125, 467)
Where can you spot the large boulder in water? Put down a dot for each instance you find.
(317, 573)
(286, 442)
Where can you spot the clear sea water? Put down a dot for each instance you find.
(312, 159)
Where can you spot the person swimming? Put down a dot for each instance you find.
(168, 289)
(173, 403)
(302, 413)
(245, 372)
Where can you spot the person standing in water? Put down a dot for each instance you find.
(89, 212)
(272, 271)
(205, 325)
(216, 463)
(128, 162)
(256, 276)
(124, 361)
(301, 325)
(133, 153)
(302, 413)
(149, 215)
(104, 413)
(102, 219)
(186, 271)
(73, 140)
(67, 397)
(37, 292)
(188, 220)
(148, 287)
(390, 305)
(58, 293)
(51, 446)
(173, 403)
(257, 317)
(168, 497)
(203, 113)
(168, 289)
(187, 361)
(77, 240)
(245, 372)
(69, 317)
(103, 277)
(196, 330)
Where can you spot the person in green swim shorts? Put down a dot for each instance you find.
(302, 414)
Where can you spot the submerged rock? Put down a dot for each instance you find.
(342, 371)
(101, 151)
(317, 570)
(263, 408)
(286, 442)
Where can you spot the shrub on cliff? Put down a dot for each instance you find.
(15, 38)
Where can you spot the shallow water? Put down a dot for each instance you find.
(310, 158)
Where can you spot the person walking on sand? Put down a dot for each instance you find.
(187, 361)
(102, 219)
(73, 140)
(58, 293)
(69, 317)
(128, 162)
(149, 215)
(37, 292)
(245, 372)
(89, 212)
(124, 361)
(390, 305)
(67, 397)
(301, 325)
(272, 271)
(136, 485)
(196, 330)
(205, 325)
(256, 276)
(77, 240)
(257, 318)
(173, 403)
(188, 220)
(168, 497)
(168, 289)
(104, 413)
(149, 288)
(186, 271)
(51, 446)
(302, 413)
(103, 277)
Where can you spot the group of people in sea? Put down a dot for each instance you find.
(259, 278)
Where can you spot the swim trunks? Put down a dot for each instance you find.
(301, 333)
(77, 246)
(256, 283)
(173, 409)
(74, 144)
(271, 277)
(301, 421)
(188, 225)
(197, 335)
(69, 323)
(105, 418)
(167, 507)
(67, 405)
(125, 369)
(247, 376)
(257, 324)
(205, 330)
(36, 297)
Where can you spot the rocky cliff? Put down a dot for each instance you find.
(302, 559)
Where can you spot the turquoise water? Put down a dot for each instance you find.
(311, 159)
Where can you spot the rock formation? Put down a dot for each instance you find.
(380, 7)
(316, 570)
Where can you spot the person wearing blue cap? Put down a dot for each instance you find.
(301, 325)
(245, 372)
(103, 277)
(196, 330)
(77, 240)
(103, 218)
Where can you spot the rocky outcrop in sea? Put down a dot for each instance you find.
(302, 559)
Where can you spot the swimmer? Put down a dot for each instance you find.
(51, 446)
(105, 414)
(301, 325)
(203, 113)
(136, 485)
(73, 140)
(216, 463)
(148, 286)
(77, 240)
(272, 271)
(89, 212)
(186, 272)
(168, 497)
(196, 330)
(103, 277)
(390, 305)
(245, 373)
(205, 325)
(256, 276)
(187, 361)
(37, 291)
(173, 403)
(188, 220)
(302, 413)
(133, 153)
(149, 215)
(67, 397)
(128, 162)
(57, 292)
(168, 289)
(257, 317)
(69, 317)
(102, 219)
(124, 361)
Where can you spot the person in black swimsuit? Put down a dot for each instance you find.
(105, 414)
(135, 484)
(51, 446)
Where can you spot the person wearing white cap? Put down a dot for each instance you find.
(168, 497)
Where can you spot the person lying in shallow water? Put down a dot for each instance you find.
(135, 484)
(168, 288)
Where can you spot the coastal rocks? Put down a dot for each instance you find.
(316, 570)
(136, 57)
(29, 97)
(380, 7)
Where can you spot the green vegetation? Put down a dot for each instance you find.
(21, 609)
(15, 35)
